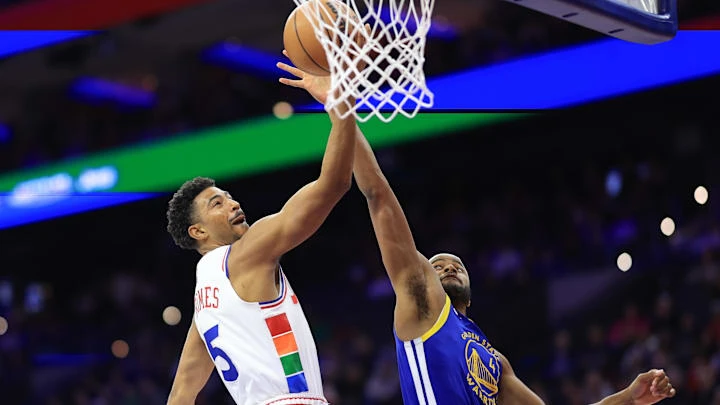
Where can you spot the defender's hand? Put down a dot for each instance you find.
(651, 387)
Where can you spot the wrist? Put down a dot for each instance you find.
(335, 116)
(625, 397)
(341, 107)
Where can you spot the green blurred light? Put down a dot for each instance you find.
(242, 149)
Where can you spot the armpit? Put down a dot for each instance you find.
(417, 288)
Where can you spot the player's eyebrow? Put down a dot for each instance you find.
(213, 198)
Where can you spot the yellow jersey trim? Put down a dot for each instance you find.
(440, 321)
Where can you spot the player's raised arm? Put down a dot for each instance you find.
(397, 245)
(193, 370)
(302, 215)
(420, 295)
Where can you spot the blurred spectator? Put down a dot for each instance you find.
(631, 327)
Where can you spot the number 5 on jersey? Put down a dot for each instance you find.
(231, 374)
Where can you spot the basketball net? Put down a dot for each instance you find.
(377, 58)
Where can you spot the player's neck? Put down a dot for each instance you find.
(208, 248)
(461, 307)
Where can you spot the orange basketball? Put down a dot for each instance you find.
(303, 48)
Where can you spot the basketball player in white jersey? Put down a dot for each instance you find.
(433, 334)
(248, 323)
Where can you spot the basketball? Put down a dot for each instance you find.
(301, 44)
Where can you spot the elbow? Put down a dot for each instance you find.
(371, 193)
(338, 187)
(342, 186)
(376, 190)
(334, 183)
(374, 185)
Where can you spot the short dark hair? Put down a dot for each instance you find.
(181, 211)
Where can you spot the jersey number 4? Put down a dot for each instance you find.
(231, 374)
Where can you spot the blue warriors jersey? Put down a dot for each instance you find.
(451, 364)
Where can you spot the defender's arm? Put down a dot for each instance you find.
(420, 296)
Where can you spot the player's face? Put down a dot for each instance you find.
(454, 278)
(451, 272)
(221, 220)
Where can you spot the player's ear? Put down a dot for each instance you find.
(469, 303)
(197, 232)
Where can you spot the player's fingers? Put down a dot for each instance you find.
(656, 376)
(654, 381)
(667, 392)
(291, 69)
(661, 384)
(293, 83)
(648, 376)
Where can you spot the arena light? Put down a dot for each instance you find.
(69, 190)
(667, 226)
(138, 172)
(701, 195)
(242, 58)
(93, 90)
(12, 42)
(613, 183)
(282, 110)
(624, 262)
(171, 315)
(120, 349)
(5, 133)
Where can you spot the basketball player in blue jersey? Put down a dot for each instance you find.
(443, 356)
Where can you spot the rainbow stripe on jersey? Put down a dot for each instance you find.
(285, 343)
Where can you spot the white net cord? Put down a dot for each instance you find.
(377, 58)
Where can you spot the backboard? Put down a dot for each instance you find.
(640, 21)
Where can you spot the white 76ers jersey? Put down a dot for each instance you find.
(263, 351)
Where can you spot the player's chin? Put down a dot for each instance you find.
(453, 287)
(241, 227)
(450, 280)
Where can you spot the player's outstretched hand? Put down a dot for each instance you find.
(651, 387)
(317, 86)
